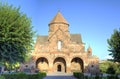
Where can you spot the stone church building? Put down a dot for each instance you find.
(62, 51)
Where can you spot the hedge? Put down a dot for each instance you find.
(24, 76)
(80, 75)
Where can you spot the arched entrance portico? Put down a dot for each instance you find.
(42, 64)
(77, 65)
(59, 65)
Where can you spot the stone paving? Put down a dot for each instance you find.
(60, 76)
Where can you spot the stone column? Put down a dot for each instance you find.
(68, 67)
(50, 70)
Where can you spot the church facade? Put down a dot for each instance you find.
(62, 51)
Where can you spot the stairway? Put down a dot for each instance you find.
(59, 75)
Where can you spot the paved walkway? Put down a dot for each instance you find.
(60, 76)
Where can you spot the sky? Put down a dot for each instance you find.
(95, 20)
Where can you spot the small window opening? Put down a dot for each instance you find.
(59, 45)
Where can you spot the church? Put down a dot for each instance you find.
(61, 51)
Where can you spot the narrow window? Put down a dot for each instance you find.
(59, 45)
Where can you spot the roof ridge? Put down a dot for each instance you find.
(76, 34)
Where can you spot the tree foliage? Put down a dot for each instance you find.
(114, 45)
(16, 34)
(110, 70)
(109, 67)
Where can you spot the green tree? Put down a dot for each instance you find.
(16, 34)
(109, 67)
(110, 70)
(114, 45)
(104, 66)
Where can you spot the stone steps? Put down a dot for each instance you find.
(60, 75)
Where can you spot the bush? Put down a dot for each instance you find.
(110, 77)
(15, 76)
(97, 77)
(116, 77)
(78, 75)
(42, 74)
(39, 75)
(110, 70)
(34, 76)
(2, 77)
(24, 76)
(86, 77)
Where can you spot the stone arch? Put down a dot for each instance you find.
(77, 64)
(42, 64)
(59, 64)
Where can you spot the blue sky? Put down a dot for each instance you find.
(95, 20)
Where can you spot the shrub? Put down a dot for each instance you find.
(2, 77)
(97, 77)
(43, 74)
(24, 76)
(15, 76)
(116, 77)
(78, 75)
(110, 77)
(34, 76)
(110, 70)
(39, 75)
(86, 77)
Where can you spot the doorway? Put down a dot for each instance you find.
(59, 68)
(59, 65)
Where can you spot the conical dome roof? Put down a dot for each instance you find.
(58, 19)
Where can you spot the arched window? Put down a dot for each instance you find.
(59, 45)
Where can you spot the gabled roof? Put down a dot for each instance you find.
(57, 31)
(74, 38)
(41, 39)
(58, 19)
